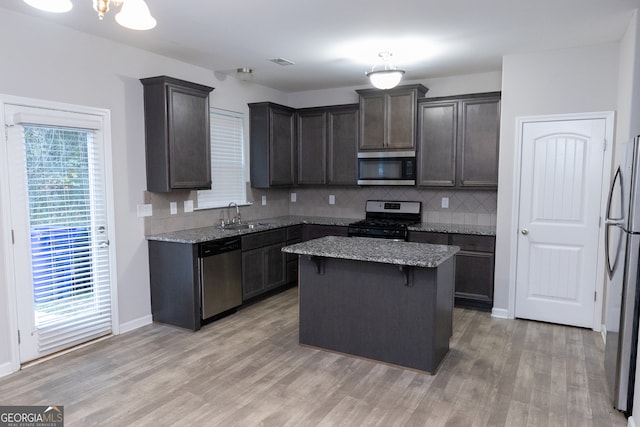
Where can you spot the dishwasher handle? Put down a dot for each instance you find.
(216, 247)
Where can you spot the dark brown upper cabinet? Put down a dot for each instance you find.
(388, 118)
(458, 141)
(327, 139)
(177, 134)
(437, 143)
(272, 145)
(312, 146)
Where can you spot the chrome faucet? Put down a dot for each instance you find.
(236, 219)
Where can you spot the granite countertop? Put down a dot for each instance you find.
(479, 230)
(375, 250)
(206, 234)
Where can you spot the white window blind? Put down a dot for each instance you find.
(227, 161)
(66, 208)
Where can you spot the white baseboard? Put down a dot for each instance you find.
(631, 422)
(135, 324)
(500, 313)
(6, 369)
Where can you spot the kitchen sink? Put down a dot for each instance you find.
(242, 226)
(261, 224)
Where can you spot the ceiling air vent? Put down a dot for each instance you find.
(282, 61)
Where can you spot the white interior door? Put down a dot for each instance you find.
(59, 223)
(561, 188)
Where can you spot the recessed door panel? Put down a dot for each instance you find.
(552, 274)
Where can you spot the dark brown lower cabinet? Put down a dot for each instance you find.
(175, 284)
(474, 279)
(474, 270)
(175, 274)
(263, 262)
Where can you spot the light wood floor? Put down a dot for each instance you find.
(248, 370)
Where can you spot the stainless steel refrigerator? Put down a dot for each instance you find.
(622, 239)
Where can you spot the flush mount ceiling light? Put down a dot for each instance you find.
(388, 77)
(134, 14)
(244, 74)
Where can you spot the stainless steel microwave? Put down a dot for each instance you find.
(387, 168)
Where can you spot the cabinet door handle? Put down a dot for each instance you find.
(524, 231)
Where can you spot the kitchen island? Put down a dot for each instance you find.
(379, 299)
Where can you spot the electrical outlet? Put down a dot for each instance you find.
(264, 200)
(173, 208)
(445, 203)
(332, 199)
(144, 210)
(293, 197)
(188, 206)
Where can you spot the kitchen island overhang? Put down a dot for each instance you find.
(378, 299)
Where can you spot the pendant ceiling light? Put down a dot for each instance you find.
(388, 77)
(134, 14)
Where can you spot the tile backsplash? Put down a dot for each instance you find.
(465, 207)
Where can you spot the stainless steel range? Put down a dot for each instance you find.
(387, 219)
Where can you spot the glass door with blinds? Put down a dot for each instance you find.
(59, 223)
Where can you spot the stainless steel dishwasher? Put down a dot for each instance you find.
(220, 276)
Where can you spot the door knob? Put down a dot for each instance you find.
(524, 231)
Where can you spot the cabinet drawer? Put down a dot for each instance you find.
(294, 232)
(264, 238)
(429, 237)
(472, 243)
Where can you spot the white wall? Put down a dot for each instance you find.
(564, 81)
(44, 61)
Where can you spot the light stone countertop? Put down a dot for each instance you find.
(478, 230)
(375, 250)
(206, 234)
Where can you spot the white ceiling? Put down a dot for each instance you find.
(334, 42)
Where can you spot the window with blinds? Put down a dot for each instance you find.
(66, 209)
(227, 161)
